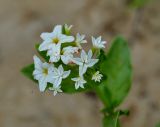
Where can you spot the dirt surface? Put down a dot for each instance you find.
(22, 21)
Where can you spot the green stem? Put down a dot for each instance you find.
(111, 118)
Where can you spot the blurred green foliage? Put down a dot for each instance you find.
(158, 125)
(137, 3)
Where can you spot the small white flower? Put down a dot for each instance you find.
(56, 90)
(67, 27)
(66, 54)
(80, 40)
(55, 54)
(97, 77)
(85, 61)
(58, 75)
(97, 43)
(50, 40)
(43, 73)
(79, 82)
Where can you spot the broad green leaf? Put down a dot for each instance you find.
(28, 70)
(118, 70)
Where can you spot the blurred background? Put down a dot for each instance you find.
(21, 23)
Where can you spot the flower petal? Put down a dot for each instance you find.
(83, 56)
(66, 58)
(57, 81)
(66, 74)
(77, 61)
(90, 54)
(60, 69)
(37, 62)
(46, 35)
(82, 69)
(92, 62)
(76, 85)
(45, 45)
(74, 79)
(64, 38)
(42, 84)
(57, 29)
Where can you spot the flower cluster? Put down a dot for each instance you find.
(62, 50)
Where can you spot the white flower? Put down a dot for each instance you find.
(66, 54)
(43, 73)
(80, 40)
(56, 90)
(97, 43)
(55, 53)
(97, 77)
(58, 75)
(50, 40)
(67, 27)
(79, 82)
(85, 61)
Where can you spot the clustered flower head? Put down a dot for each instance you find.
(63, 50)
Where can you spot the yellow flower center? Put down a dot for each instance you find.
(45, 71)
(55, 40)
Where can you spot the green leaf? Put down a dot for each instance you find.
(117, 68)
(28, 70)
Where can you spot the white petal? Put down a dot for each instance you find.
(42, 84)
(104, 42)
(90, 54)
(70, 50)
(82, 69)
(55, 92)
(83, 55)
(36, 72)
(66, 58)
(93, 40)
(45, 45)
(57, 29)
(66, 74)
(99, 39)
(54, 53)
(92, 62)
(55, 73)
(37, 62)
(74, 79)
(54, 58)
(38, 76)
(60, 69)
(64, 38)
(77, 61)
(46, 36)
(76, 85)
(45, 65)
(57, 81)
(51, 68)
(81, 85)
